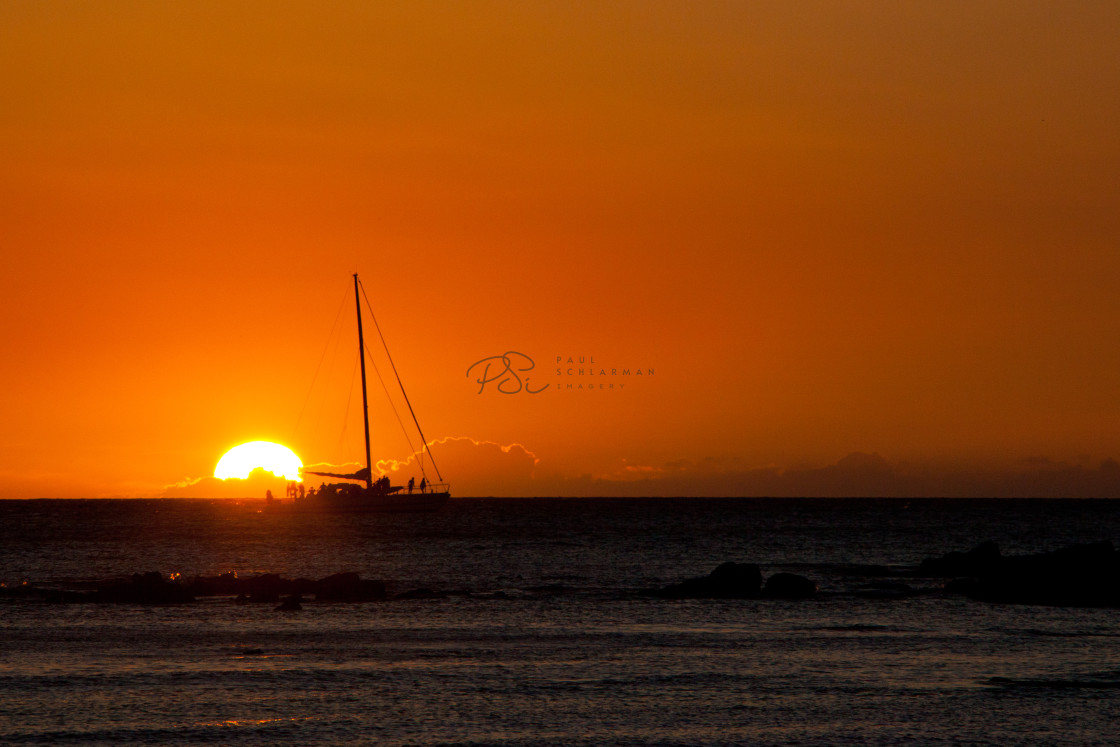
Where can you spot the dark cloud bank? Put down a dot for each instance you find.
(859, 475)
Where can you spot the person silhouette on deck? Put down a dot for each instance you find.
(423, 482)
(411, 483)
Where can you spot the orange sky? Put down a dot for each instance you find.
(827, 227)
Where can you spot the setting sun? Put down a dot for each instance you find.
(241, 460)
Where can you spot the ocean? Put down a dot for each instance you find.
(532, 627)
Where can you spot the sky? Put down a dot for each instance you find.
(851, 248)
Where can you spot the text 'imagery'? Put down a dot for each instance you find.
(511, 373)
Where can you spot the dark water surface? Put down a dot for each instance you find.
(546, 640)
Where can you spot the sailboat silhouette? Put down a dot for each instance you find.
(363, 494)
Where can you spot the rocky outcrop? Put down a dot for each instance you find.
(143, 588)
(789, 586)
(728, 581)
(348, 587)
(293, 603)
(738, 581)
(267, 588)
(264, 588)
(977, 561)
(1085, 575)
(1075, 576)
(270, 587)
(19, 590)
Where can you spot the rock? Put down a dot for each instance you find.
(977, 561)
(1085, 575)
(966, 585)
(22, 590)
(61, 596)
(736, 578)
(267, 587)
(789, 586)
(728, 581)
(264, 589)
(143, 588)
(348, 587)
(304, 586)
(1076, 576)
(291, 603)
(226, 584)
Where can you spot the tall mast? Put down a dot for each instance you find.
(365, 401)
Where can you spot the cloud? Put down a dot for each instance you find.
(17, 484)
(254, 486)
(473, 467)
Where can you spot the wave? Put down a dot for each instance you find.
(1104, 681)
(1043, 633)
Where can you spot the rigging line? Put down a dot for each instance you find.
(392, 405)
(319, 367)
(423, 441)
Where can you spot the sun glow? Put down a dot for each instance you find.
(241, 460)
